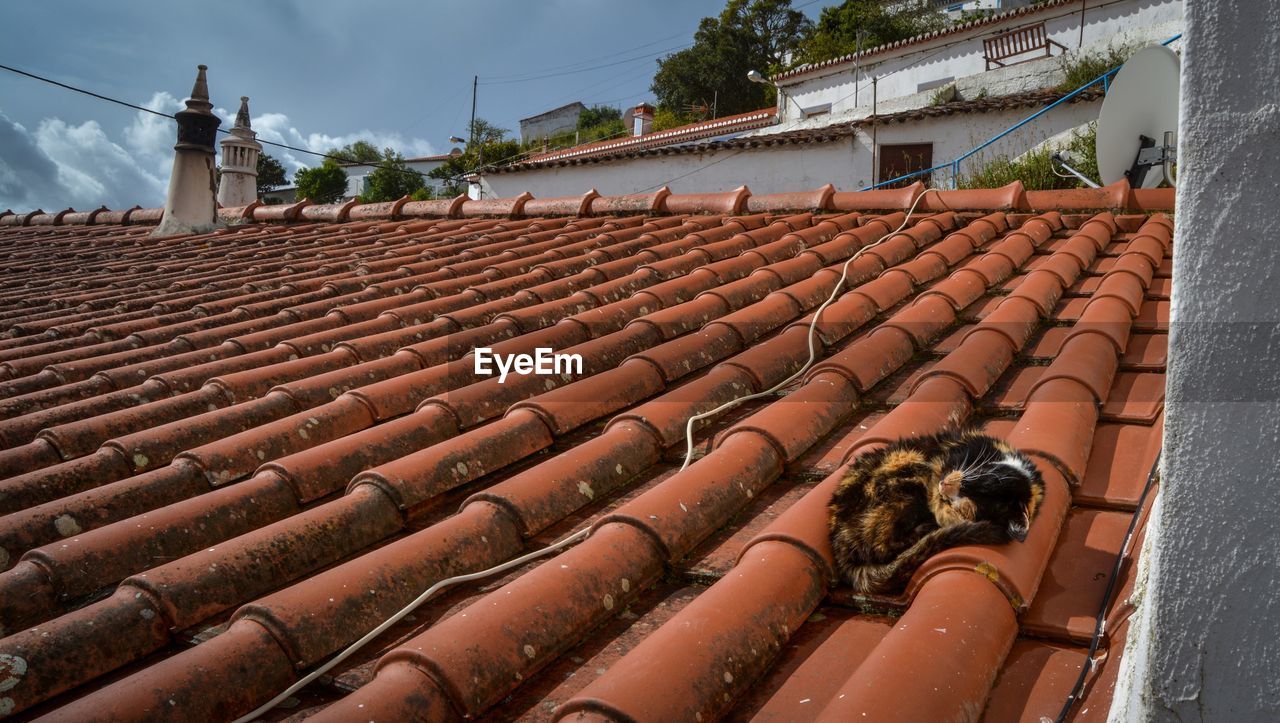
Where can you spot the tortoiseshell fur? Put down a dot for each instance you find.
(905, 502)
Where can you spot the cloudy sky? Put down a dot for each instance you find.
(319, 74)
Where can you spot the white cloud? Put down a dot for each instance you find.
(61, 165)
(151, 137)
(28, 178)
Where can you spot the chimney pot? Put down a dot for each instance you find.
(191, 206)
(240, 151)
(642, 119)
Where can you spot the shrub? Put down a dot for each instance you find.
(1035, 169)
(943, 95)
(666, 119)
(1080, 69)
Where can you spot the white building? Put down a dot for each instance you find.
(550, 123)
(358, 173)
(858, 120)
(971, 56)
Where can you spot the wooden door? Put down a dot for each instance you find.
(904, 158)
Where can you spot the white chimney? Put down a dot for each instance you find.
(192, 204)
(239, 183)
(642, 119)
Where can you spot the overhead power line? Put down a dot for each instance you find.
(170, 116)
(586, 61)
(646, 56)
(558, 71)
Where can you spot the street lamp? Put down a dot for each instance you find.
(756, 76)
(455, 139)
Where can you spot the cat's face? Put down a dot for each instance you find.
(986, 480)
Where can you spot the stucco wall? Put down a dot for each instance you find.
(847, 163)
(551, 122)
(1107, 23)
(1207, 643)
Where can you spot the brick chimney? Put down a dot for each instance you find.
(192, 204)
(239, 183)
(642, 122)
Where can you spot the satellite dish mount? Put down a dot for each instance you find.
(1150, 156)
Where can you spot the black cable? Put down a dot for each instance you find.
(587, 61)
(340, 159)
(587, 70)
(703, 167)
(1100, 621)
(344, 159)
(86, 92)
(572, 68)
(109, 99)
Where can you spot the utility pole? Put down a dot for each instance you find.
(471, 137)
(857, 61)
(1083, 5)
(875, 125)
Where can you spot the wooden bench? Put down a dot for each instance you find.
(1027, 39)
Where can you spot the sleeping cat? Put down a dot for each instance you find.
(899, 505)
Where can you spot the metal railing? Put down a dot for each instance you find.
(954, 164)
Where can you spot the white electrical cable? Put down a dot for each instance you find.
(581, 534)
(813, 325)
(305, 681)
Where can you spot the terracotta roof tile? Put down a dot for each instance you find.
(276, 422)
(727, 133)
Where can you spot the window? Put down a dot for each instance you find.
(816, 110)
(901, 159)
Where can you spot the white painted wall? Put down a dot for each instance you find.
(960, 56)
(1206, 644)
(550, 123)
(847, 163)
(356, 173)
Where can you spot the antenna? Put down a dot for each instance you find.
(700, 110)
(1138, 123)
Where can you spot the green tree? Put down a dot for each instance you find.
(324, 184)
(747, 35)
(391, 179)
(498, 149)
(836, 32)
(666, 119)
(599, 122)
(598, 115)
(357, 152)
(270, 174)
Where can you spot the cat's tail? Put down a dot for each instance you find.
(893, 575)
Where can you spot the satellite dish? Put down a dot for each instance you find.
(1138, 124)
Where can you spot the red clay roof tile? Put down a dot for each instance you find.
(266, 420)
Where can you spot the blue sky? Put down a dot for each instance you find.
(318, 74)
